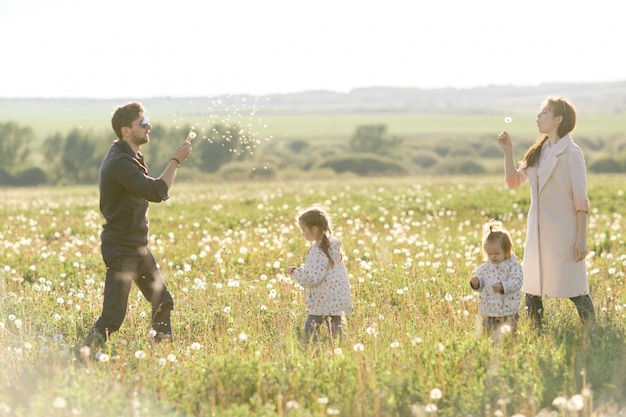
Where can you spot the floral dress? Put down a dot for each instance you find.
(509, 274)
(326, 287)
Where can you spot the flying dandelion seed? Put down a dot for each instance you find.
(508, 119)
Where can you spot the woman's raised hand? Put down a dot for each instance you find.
(504, 140)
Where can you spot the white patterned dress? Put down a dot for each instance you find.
(327, 289)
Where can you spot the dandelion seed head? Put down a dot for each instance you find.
(292, 405)
(140, 354)
(59, 402)
(576, 403)
(508, 119)
(435, 394)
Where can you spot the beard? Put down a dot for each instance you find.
(141, 140)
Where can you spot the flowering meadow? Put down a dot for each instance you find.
(412, 347)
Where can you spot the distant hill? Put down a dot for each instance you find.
(588, 97)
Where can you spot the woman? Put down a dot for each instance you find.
(556, 236)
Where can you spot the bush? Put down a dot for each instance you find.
(6, 178)
(298, 146)
(606, 166)
(460, 167)
(245, 170)
(425, 159)
(364, 164)
(32, 176)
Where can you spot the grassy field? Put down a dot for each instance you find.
(411, 347)
(47, 118)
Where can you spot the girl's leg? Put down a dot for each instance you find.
(311, 327)
(534, 309)
(585, 309)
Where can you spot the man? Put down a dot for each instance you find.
(125, 192)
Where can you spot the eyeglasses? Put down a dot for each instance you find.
(144, 122)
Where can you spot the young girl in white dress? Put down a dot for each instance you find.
(323, 276)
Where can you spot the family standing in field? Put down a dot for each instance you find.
(554, 252)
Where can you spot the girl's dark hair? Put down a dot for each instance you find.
(123, 116)
(316, 216)
(495, 233)
(559, 107)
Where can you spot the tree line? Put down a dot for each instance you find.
(232, 153)
(74, 158)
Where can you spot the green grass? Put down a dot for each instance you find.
(411, 245)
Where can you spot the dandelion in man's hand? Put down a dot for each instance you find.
(192, 134)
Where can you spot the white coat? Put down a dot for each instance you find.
(558, 190)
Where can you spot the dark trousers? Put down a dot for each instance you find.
(313, 323)
(583, 303)
(125, 266)
(492, 325)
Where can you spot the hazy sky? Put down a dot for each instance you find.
(140, 49)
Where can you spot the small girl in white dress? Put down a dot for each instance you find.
(323, 276)
(498, 280)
